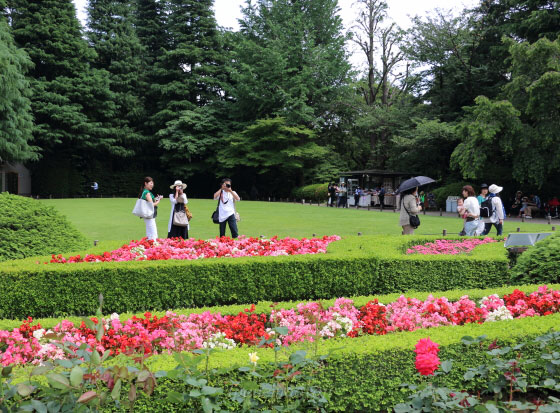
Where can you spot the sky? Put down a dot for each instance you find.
(229, 11)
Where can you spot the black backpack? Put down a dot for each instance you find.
(486, 208)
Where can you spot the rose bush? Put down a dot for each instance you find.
(30, 343)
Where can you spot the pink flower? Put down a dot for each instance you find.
(427, 360)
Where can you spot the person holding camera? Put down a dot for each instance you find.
(226, 208)
(147, 195)
(178, 201)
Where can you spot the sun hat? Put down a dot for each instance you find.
(178, 183)
(483, 186)
(495, 189)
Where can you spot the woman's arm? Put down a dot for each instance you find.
(217, 193)
(235, 196)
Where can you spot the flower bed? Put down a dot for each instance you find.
(308, 322)
(448, 247)
(192, 249)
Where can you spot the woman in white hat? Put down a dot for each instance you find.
(498, 213)
(178, 201)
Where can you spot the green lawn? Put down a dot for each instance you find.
(111, 219)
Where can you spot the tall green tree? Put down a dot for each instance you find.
(16, 123)
(517, 136)
(290, 61)
(118, 51)
(274, 149)
(150, 20)
(70, 100)
(190, 74)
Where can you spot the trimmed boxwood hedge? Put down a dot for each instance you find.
(366, 373)
(353, 266)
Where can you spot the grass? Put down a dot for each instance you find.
(110, 219)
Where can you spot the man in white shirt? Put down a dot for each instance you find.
(226, 208)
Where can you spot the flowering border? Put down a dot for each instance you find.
(193, 249)
(308, 322)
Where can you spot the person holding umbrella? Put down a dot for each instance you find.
(409, 202)
(409, 207)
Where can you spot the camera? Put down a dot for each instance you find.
(228, 185)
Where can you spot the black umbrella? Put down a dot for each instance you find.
(414, 182)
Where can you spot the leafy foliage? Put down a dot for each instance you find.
(15, 119)
(539, 262)
(29, 228)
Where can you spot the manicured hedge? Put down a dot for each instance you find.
(353, 266)
(366, 373)
(29, 228)
(265, 307)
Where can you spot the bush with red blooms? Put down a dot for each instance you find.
(245, 327)
(373, 317)
(27, 328)
(427, 360)
(541, 302)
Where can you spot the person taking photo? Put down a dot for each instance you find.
(226, 208)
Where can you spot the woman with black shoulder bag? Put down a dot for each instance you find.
(409, 219)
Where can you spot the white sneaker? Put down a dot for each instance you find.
(526, 217)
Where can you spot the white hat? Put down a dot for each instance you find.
(495, 189)
(178, 183)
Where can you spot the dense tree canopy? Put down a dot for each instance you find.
(157, 87)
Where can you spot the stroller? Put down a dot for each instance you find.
(551, 207)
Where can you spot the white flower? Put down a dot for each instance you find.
(253, 358)
(114, 316)
(501, 313)
(219, 340)
(38, 334)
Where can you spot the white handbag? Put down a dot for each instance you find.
(143, 209)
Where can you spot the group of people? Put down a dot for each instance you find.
(338, 195)
(525, 206)
(225, 196)
(479, 213)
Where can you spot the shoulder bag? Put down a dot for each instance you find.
(180, 218)
(143, 209)
(216, 213)
(414, 220)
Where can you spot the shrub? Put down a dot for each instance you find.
(540, 263)
(352, 266)
(312, 193)
(29, 228)
(443, 192)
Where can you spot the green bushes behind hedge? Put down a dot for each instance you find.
(365, 374)
(540, 263)
(311, 193)
(29, 228)
(353, 266)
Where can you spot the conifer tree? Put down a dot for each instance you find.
(190, 75)
(119, 52)
(16, 123)
(71, 101)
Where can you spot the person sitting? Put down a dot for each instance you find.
(532, 206)
(517, 204)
